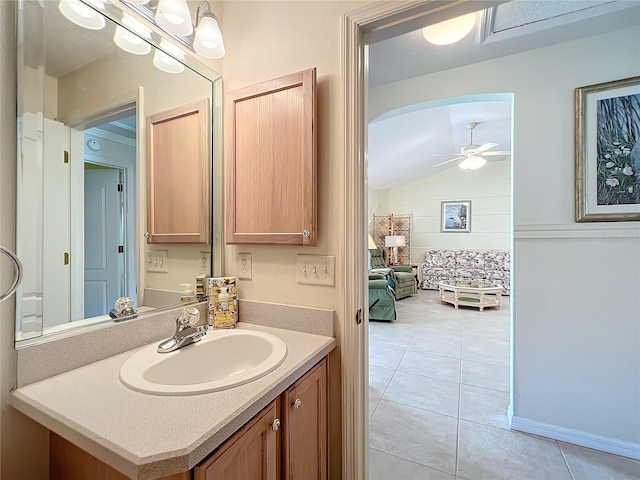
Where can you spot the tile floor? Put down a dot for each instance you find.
(438, 396)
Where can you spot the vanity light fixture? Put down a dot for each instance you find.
(174, 17)
(165, 62)
(473, 162)
(450, 31)
(208, 40)
(82, 14)
(132, 42)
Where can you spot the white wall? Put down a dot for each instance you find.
(489, 190)
(577, 286)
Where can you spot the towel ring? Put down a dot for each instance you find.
(17, 269)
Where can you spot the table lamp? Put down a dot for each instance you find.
(393, 242)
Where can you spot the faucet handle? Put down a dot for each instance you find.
(190, 316)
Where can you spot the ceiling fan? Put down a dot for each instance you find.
(472, 155)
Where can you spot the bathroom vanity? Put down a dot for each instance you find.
(273, 427)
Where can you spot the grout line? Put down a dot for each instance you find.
(565, 460)
(411, 461)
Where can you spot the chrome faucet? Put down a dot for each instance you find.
(186, 333)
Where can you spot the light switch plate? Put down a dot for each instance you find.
(157, 261)
(244, 266)
(316, 270)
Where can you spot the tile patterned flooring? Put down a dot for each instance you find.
(438, 396)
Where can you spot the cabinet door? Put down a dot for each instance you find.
(305, 427)
(271, 162)
(178, 174)
(252, 453)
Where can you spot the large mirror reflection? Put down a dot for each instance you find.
(86, 91)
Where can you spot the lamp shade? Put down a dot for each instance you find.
(208, 41)
(174, 17)
(372, 244)
(394, 241)
(130, 42)
(449, 31)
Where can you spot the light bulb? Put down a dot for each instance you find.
(449, 31)
(473, 162)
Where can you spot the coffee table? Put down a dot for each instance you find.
(471, 293)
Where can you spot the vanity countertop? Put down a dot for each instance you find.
(149, 436)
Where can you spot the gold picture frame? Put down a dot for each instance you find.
(607, 151)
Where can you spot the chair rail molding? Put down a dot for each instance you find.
(619, 230)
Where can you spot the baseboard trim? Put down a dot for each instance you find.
(589, 440)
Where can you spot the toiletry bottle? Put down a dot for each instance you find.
(187, 294)
(223, 316)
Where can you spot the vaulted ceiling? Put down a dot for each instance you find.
(405, 144)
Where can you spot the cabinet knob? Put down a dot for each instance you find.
(297, 404)
(306, 233)
(275, 425)
(147, 234)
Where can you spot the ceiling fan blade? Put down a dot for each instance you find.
(485, 147)
(448, 161)
(445, 154)
(496, 152)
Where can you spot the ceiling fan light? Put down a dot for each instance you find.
(83, 15)
(473, 162)
(450, 31)
(208, 41)
(173, 16)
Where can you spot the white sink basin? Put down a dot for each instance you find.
(221, 360)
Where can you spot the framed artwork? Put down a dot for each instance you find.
(456, 216)
(608, 151)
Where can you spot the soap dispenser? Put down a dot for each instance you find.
(187, 294)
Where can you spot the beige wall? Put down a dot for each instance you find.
(265, 40)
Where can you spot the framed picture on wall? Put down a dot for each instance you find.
(608, 151)
(456, 216)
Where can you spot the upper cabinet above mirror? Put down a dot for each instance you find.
(86, 98)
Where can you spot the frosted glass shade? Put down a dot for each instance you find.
(449, 31)
(167, 63)
(130, 42)
(208, 41)
(473, 162)
(83, 15)
(173, 16)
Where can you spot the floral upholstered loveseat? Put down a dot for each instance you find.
(442, 265)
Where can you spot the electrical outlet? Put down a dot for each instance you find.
(244, 266)
(157, 261)
(205, 262)
(316, 270)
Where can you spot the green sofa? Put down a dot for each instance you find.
(400, 277)
(382, 303)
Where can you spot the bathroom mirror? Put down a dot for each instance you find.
(88, 79)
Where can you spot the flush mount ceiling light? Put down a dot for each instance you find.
(165, 62)
(174, 17)
(132, 42)
(473, 162)
(449, 31)
(82, 14)
(208, 41)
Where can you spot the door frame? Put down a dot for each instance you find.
(361, 27)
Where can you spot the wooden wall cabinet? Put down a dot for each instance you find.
(179, 174)
(271, 187)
